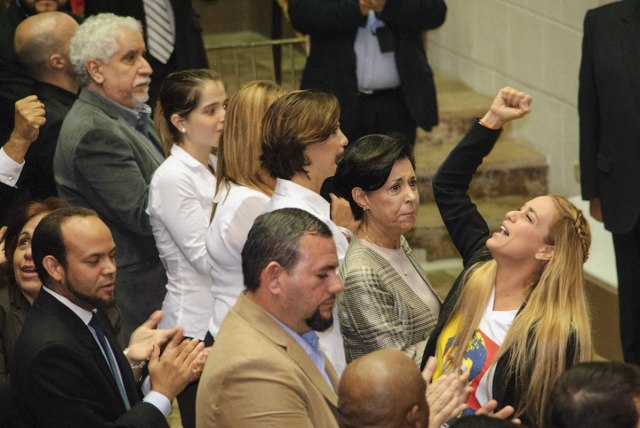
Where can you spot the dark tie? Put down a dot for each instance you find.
(160, 32)
(96, 325)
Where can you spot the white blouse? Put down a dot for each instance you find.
(180, 201)
(236, 211)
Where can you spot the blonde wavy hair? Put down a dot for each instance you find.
(555, 312)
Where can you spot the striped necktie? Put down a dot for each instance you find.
(160, 31)
(96, 325)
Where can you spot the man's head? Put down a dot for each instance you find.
(42, 44)
(383, 389)
(38, 6)
(107, 54)
(74, 254)
(596, 394)
(289, 263)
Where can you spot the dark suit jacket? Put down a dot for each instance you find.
(331, 65)
(609, 107)
(61, 378)
(13, 311)
(189, 49)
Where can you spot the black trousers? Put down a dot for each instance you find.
(627, 249)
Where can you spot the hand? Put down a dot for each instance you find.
(146, 336)
(491, 405)
(595, 209)
(447, 395)
(341, 213)
(3, 233)
(508, 105)
(180, 364)
(29, 117)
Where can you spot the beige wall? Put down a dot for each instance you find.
(534, 46)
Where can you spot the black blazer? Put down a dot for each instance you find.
(331, 65)
(61, 378)
(609, 107)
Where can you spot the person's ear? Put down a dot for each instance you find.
(53, 267)
(360, 197)
(272, 277)
(178, 122)
(57, 62)
(413, 417)
(545, 253)
(95, 71)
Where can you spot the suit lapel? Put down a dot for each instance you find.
(262, 322)
(629, 43)
(82, 334)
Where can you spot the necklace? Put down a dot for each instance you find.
(394, 255)
(364, 235)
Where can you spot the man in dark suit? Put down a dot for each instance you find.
(15, 83)
(42, 44)
(188, 46)
(370, 55)
(609, 108)
(29, 117)
(67, 367)
(107, 153)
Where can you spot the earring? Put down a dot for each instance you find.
(183, 130)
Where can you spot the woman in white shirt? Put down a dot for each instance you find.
(189, 117)
(244, 188)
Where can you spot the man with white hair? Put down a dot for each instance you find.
(108, 150)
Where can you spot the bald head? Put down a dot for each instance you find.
(42, 44)
(383, 389)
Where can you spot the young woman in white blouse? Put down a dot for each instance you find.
(244, 188)
(189, 117)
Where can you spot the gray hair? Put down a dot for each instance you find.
(97, 38)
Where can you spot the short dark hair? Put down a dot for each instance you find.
(595, 394)
(48, 239)
(367, 164)
(291, 124)
(275, 236)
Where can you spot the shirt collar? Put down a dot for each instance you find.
(82, 313)
(315, 201)
(138, 118)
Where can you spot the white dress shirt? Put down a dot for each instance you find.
(288, 194)
(236, 211)
(10, 170)
(180, 202)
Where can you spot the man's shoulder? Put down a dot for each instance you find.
(614, 10)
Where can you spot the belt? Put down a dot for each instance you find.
(372, 92)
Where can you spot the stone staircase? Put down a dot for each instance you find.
(510, 175)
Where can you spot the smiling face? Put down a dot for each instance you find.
(24, 269)
(88, 279)
(125, 78)
(205, 123)
(393, 208)
(309, 288)
(523, 233)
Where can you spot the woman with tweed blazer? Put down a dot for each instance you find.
(387, 301)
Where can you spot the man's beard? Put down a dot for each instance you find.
(317, 322)
(94, 301)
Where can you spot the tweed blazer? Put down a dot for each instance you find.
(257, 375)
(378, 309)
